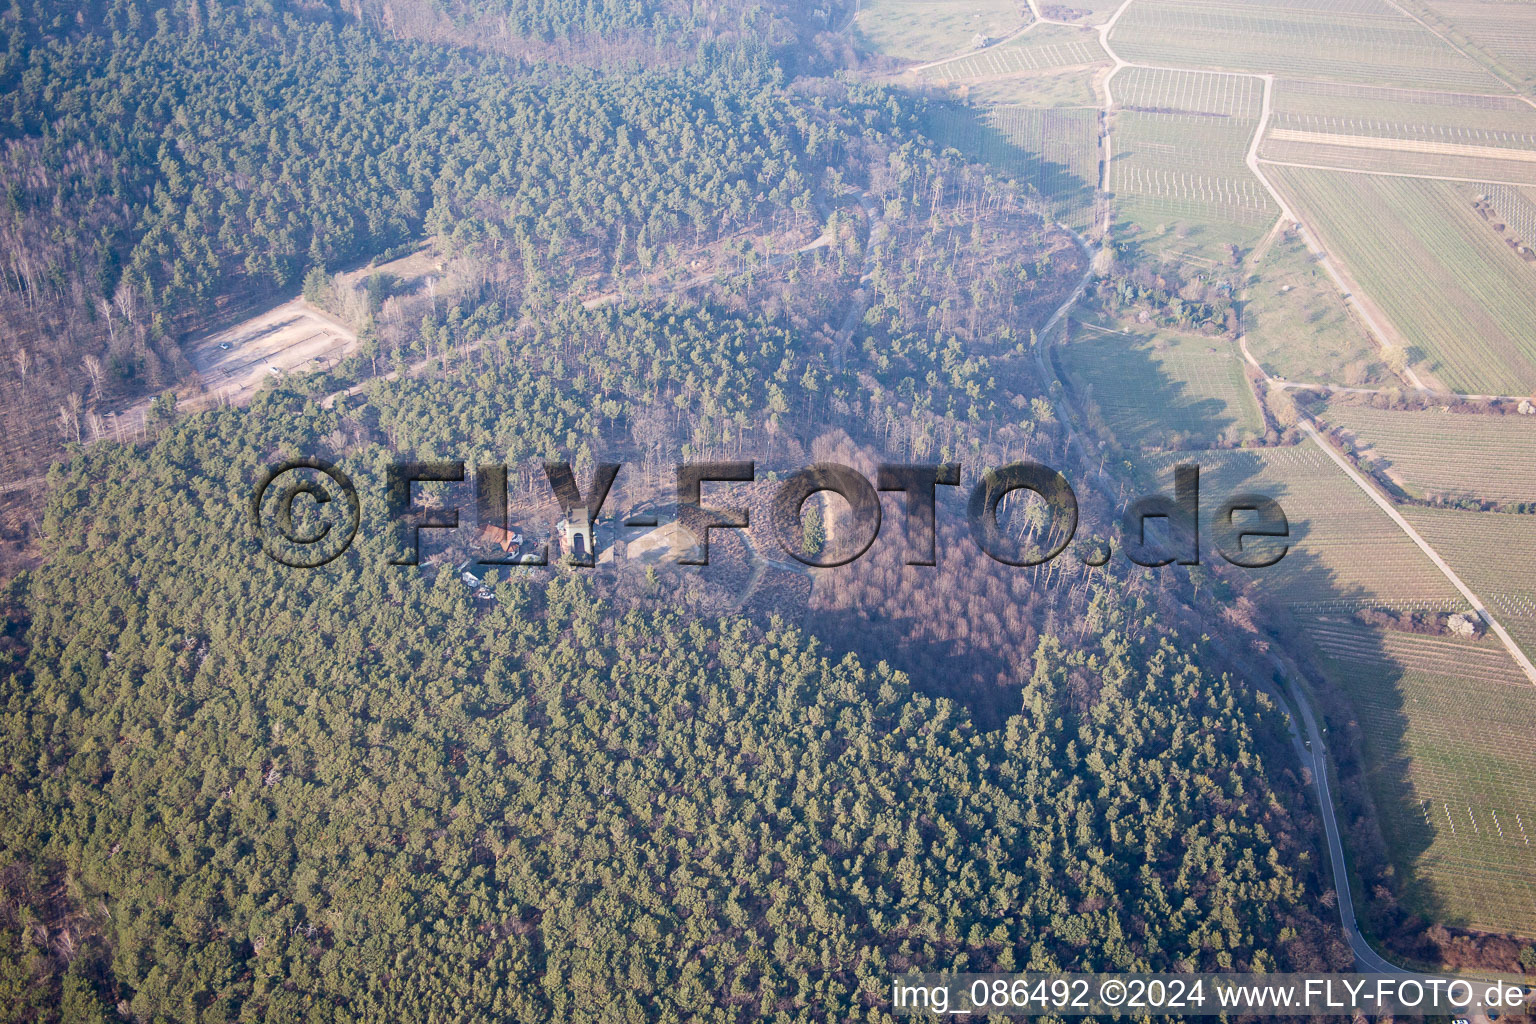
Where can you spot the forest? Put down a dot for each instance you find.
(234, 792)
(230, 790)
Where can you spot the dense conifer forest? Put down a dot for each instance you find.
(230, 790)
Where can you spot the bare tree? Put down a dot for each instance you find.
(127, 302)
(104, 304)
(93, 371)
(69, 423)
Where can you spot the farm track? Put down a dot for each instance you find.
(1312, 752)
(1371, 317)
(1390, 174)
(1310, 748)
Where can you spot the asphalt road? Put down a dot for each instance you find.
(1312, 753)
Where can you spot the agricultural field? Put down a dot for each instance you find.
(1298, 327)
(1044, 48)
(1207, 204)
(1402, 131)
(1433, 453)
(1516, 207)
(1197, 95)
(1495, 554)
(1458, 295)
(1079, 12)
(930, 29)
(1055, 150)
(1062, 87)
(1355, 40)
(1447, 726)
(1504, 32)
(1345, 553)
(1157, 389)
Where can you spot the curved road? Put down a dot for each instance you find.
(1314, 755)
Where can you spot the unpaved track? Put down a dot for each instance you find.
(1365, 956)
(1434, 556)
(1392, 174)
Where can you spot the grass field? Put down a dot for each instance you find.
(1055, 150)
(1345, 553)
(930, 29)
(1402, 131)
(1208, 203)
(1436, 453)
(1446, 726)
(1356, 40)
(1299, 328)
(1045, 47)
(1495, 554)
(1461, 298)
(1081, 12)
(1159, 388)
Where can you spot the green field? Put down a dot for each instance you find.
(1298, 326)
(1054, 150)
(1355, 40)
(1156, 389)
(930, 29)
(1045, 47)
(1433, 453)
(1402, 131)
(1495, 554)
(1458, 295)
(1207, 203)
(1446, 726)
(1345, 554)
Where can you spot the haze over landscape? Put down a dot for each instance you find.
(364, 659)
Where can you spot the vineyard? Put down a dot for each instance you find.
(1043, 48)
(1217, 200)
(1447, 110)
(1495, 554)
(1368, 42)
(1402, 131)
(1510, 41)
(1156, 389)
(928, 29)
(1054, 150)
(1205, 93)
(1452, 288)
(1516, 207)
(1299, 328)
(1432, 453)
(1345, 553)
(1446, 726)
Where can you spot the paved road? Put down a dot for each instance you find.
(1312, 753)
(1433, 555)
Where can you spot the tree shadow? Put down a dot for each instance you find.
(966, 129)
(1129, 395)
(1354, 680)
